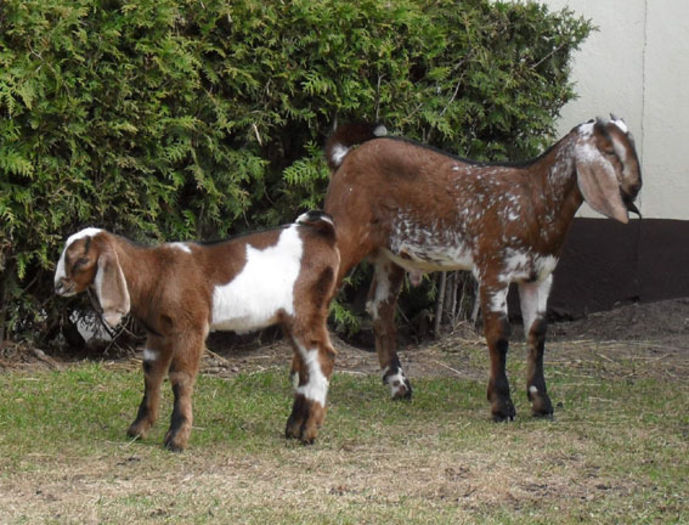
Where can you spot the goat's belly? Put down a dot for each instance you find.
(430, 260)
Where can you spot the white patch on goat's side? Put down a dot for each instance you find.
(183, 246)
(316, 388)
(338, 153)
(533, 389)
(60, 271)
(149, 355)
(264, 287)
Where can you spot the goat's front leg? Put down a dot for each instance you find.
(533, 300)
(156, 361)
(381, 304)
(497, 331)
(183, 370)
(312, 369)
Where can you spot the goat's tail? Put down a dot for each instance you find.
(318, 220)
(347, 136)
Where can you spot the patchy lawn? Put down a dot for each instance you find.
(617, 450)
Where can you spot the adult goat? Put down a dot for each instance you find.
(410, 207)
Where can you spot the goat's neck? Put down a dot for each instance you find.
(562, 198)
(138, 266)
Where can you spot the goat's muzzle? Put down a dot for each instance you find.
(628, 200)
(63, 288)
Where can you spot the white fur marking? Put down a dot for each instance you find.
(398, 378)
(316, 389)
(150, 355)
(304, 219)
(183, 246)
(264, 287)
(382, 292)
(621, 124)
(60, 271)
(498, 301)
(380, 130)
(339, 152)
(533, 390)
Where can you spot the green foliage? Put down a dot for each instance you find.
(174, 119)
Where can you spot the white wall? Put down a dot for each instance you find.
(637, 66)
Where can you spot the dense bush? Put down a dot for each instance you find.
(164, 119)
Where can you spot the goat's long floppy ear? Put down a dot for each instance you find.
(111, 288)
(598, 184)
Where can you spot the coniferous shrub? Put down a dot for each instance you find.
(178, 119)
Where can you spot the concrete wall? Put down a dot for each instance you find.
(637, 66)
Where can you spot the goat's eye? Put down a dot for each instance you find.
(81, 261)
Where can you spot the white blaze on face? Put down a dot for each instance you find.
(316, 388)
(60, 271)
(263, 288)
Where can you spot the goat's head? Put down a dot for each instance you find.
(608, 171)
(88, 260)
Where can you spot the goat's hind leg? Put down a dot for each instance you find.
(156, 360)
(533, 300)
(381, 304)
(311, 370)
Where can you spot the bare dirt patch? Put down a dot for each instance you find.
(653, 333)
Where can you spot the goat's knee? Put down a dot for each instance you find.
(155, 364)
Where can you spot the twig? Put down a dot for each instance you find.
(460, 374)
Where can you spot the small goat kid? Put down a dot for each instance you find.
(179, 291)
(410, 207)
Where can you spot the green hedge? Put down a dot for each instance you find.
(164, 119)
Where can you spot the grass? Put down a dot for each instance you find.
(617, 452)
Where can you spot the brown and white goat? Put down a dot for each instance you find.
(410, 207)
(179, 291)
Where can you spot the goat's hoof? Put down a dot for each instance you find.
(306, 418)
(400, 387)
(301, 430)
(506, 412)
(172, 446)
(540, 403)
(138, 430)
(174, 443)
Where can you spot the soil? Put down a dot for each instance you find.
(651, 329)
